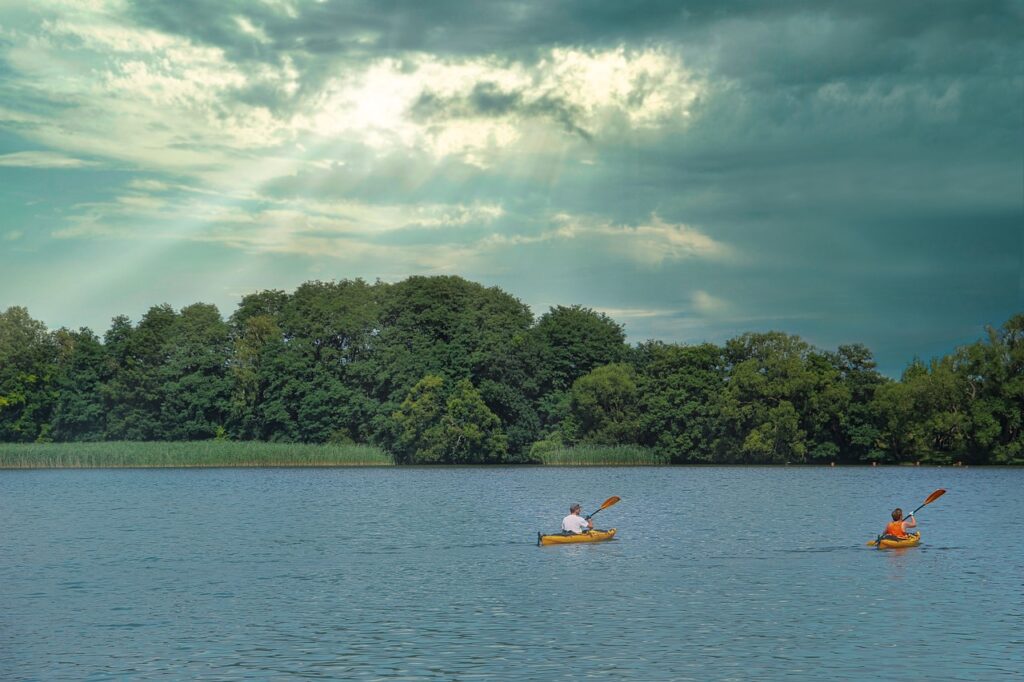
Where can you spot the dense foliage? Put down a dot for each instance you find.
(439, 369)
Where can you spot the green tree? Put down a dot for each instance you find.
(603, 407)
(777, 437)
(565, 344)
(454, 429)
(335, 321)
(510, 402)
(941, 396)
(134, 390)
(900, 435)
(768, 411)
(925, 416)
(677, 388)
(825, 413)
(308, 381)
(331, 410)
(470, 433)
(27, 361)
(448, 327)
(252, 336)
(195, 382)
(281, 385)
(79, 413)
(445, 326)
(993, 376)
(417, 420)
(859, 435)
(269, 303)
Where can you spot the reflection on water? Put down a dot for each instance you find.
(716, 573)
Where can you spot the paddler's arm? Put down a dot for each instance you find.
(911, 522)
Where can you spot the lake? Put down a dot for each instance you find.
(434, 573)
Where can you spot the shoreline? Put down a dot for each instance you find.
(219, 454)
(380, 465)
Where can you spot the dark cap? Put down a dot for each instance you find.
(574, 506)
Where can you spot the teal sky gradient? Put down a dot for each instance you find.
(848, 172)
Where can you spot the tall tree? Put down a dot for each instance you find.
(1009, 340)
(449, 327)
(785, 401)
(925, 416)
(267, 303)
(565, 344)
(417, 420)
(310, 380)
(254, 338)
(859, 425)
(470, 433)
(456, 427)
(993, 375)
(900, 436)
(677, 387)
(79, 414)
(603, 407)
(196, 385)
(134, 391)
(508, 384)
(27, 361)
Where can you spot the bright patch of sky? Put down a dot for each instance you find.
(846, 172)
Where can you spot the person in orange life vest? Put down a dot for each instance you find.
(574, 523)
(898, 527)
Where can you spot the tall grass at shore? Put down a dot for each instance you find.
(211, 453)
(602, 455)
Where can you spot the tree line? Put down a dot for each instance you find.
(441, 369)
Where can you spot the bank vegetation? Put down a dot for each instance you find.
(444, 370)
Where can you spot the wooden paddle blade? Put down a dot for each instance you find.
(934, 496)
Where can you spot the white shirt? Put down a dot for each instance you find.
(574, 523)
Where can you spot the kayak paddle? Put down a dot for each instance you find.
(607, 503)
(928, 500)
(931, 498)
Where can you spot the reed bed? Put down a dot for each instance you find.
(213, 453)
(602, 455)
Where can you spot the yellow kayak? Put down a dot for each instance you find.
(889, 543)
(568, 538)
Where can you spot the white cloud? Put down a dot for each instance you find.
(154, 100)
(247, 27)
(634, 312)
(285, 7)
(42, 160)
(187, 114)
(164, 103)
(254, 222)
(646, 88)
(353, 230)
(652, 243)
(650, 87)
(709, 305)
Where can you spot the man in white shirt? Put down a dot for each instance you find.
(574, 523)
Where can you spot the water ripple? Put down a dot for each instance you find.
(424, 574)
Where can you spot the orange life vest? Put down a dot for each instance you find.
(895, 529)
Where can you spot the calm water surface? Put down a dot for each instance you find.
(718, 573)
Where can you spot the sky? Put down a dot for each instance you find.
(851, 172)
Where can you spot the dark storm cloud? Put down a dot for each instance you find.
(862, 158)
(488, 100)
(455, 27)
(759, 45)
(440, 27)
